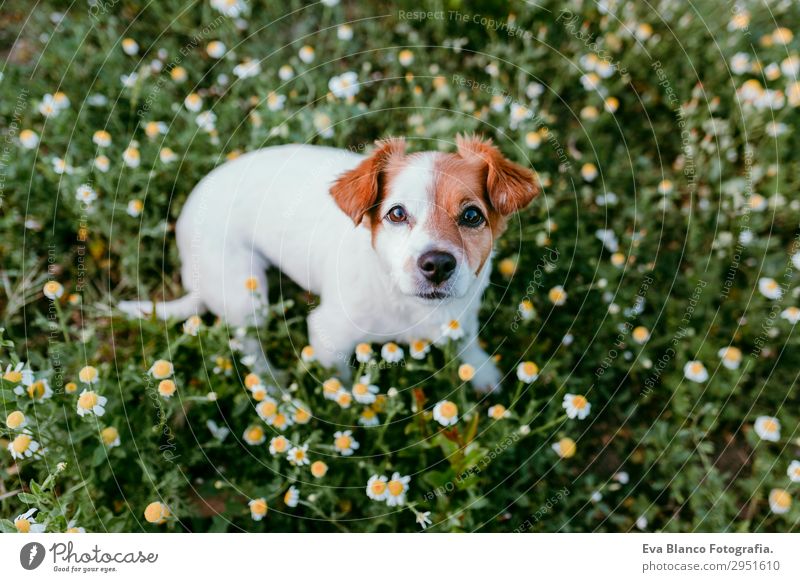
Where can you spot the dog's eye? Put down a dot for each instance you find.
(397, 214)
(471, 217)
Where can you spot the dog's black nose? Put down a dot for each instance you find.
(437, 266)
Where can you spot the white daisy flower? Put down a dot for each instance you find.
(791, 314)
(23, 446)
(285, 73)
(258, 508)
(254, 435)
(364, 392)
(793, 471)
(331, 388)
(306, 54)
(161, 369)
(130, 46)
(275, 101)
(206, 121)
(72, 527)
(376, 487)
(60, 166)
(527, 372)
(419, 349)
(247, 68)
(216, 49)
(53, 290)
(363, 353)
(768, 428)
(132, 157)
(344, 32)
(517, 114)
(102, 163)
(298, 456)
(344, 86)
(453, 330)
(37, 390)
(396, 489)
(565, 448)
(292, 497)
(90, 402)
(110, 437)
(193, 102)
(278, 445)
(423, 519)
(230, 8)
(731, 357)
(323, 124)
(392, 353)
(344, 443)
(769, 288)
(557, 295)
(16, 420)
(780, 501)
(25, 523)
(29, 139)
(167, 155)
(89, 375)
(445, 413)
(85, 193)
(695, 371)
(368, 417)
(576, 405)
(192, 325)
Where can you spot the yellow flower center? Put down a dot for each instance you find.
(448, 409)
(156, 512)
(251, 284)
(279, 420)
(363, 349)
(368, 413)
(770, 425)
(13, 376)
(109, 435)
(255, 433)
(344, 399)
(395, 487)
(343, 442)
(87, 374)
(15, 419)
(697, 368)
(252, 380)
(498, 411)
(466, 372)
(454, 325)
(259, 507)
(166, 387)
(268, 408)
(360, 389)
(530, 369)
(378, 487)
(302, 415)
(579, 402)
(279, 444)
(87, 400)
(162, 368)
(70, 387)
(36, 390)
(21, 443)
(23, 525)
(318, 469)
(781, 498)
(567, 447)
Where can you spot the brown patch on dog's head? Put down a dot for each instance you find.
(509, 186)
(357, 192)
(479, 177)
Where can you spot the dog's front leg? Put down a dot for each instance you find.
(487, 376)
(333, 339)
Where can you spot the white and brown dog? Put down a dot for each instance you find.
(396, 245)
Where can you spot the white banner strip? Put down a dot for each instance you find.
(335, 557)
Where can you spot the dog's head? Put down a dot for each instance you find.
(434, 216)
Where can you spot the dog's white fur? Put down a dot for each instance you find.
(273, 207)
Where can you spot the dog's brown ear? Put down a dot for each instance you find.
(510, 186)
(356, 191)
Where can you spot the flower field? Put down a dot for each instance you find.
(642, 308)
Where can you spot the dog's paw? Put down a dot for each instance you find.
(136, 309)
(487, 378)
